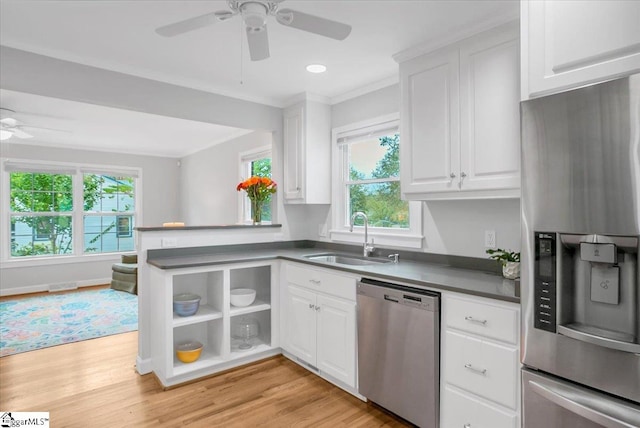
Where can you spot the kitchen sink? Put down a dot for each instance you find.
(343, 259)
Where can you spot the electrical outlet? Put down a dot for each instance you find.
(169, 242)
(490, 238)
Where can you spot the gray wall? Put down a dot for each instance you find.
(209, 179)
(160, 178)
(449, 227)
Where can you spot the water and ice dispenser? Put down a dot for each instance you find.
(587, 288)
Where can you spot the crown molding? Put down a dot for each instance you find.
(433, 45)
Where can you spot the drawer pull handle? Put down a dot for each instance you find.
(315, 281)
(466, 426)
(472, 319)
(473, 369)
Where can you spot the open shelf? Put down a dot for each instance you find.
(207, 359)
(205, 313)
(256, 306)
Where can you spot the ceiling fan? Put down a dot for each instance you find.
(254, 14)
(10, 127)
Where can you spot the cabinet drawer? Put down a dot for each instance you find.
(483, 318)
(483, 368)
(460, 410)
(323, 281)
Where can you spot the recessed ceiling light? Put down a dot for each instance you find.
(316, 68)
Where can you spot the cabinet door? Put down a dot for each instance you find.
(337, 338)
(293, 152)
(429, 151)
(490, 111)
(300, 337)
(571, 43)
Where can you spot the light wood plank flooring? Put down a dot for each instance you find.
(94, 383)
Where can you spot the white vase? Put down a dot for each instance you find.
(511, 270)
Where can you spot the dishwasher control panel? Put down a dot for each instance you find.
(399, 294)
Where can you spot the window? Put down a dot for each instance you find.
(255, 162)
(108, 213)
(61, 209)
(41, 206)
(367, 162)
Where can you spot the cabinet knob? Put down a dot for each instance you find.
(317, 308)
(452, 175)
(462, 174)
(466, 426)
(311, 306)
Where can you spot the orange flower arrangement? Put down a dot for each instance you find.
(258, 190)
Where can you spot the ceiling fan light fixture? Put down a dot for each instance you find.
(316, 68)
(5, 135)
(254, 15)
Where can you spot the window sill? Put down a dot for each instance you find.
(45, 261)
(381, 239)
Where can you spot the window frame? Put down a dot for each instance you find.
(411, 237)
(244, 160)
(77, 171)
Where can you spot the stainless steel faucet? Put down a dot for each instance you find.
(367, 248)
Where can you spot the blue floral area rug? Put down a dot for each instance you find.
(39, 322)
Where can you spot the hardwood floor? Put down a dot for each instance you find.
(94, 383)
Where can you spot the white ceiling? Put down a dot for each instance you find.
(120, 36)
(90, 127)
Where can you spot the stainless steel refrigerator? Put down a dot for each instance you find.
(580, 257)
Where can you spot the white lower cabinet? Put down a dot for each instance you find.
(480, 363)
(320, 326)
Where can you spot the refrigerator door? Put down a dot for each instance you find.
(581, 176)
(549, 402)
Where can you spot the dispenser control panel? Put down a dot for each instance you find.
(545, 282)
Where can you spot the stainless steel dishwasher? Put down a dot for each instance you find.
(399, 350)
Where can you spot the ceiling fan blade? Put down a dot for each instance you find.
(20, 133)
(187, 25)
(9, 121)
(258, 43)
(313, 24)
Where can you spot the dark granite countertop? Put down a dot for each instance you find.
(220, 226)
(438, 274)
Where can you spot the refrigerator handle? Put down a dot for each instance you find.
(571, 401)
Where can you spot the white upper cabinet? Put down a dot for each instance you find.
(307, 153)
(566, 44)
(460, 121)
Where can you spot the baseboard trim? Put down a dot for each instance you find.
(45, 287)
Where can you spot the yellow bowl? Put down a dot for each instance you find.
(188, 352)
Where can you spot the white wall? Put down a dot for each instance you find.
(160, 178)
(449, 227)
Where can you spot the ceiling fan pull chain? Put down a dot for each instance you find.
(241, 51)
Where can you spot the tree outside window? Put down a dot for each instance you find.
(41, 214)
(373, 184)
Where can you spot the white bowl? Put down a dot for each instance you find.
(242, 297)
